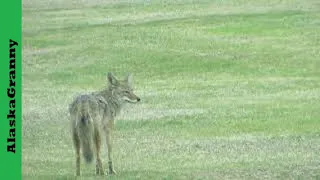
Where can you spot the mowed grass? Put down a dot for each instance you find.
(229, 89)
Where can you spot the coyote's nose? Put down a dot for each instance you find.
(138, 99)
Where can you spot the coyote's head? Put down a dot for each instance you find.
(122, 89)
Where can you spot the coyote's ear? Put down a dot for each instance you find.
(129, 79)
(111, 79)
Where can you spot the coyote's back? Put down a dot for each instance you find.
(94, 113)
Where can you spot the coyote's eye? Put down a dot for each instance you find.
(127, 92)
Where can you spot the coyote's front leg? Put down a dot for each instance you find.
(108, 131)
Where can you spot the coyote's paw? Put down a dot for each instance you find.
(100, 172)
(112, 172)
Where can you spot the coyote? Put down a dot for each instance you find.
(92, 114)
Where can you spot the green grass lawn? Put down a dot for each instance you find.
(229, 89)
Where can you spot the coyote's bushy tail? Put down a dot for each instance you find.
(86, 130)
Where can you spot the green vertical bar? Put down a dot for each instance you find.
(10, 84)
